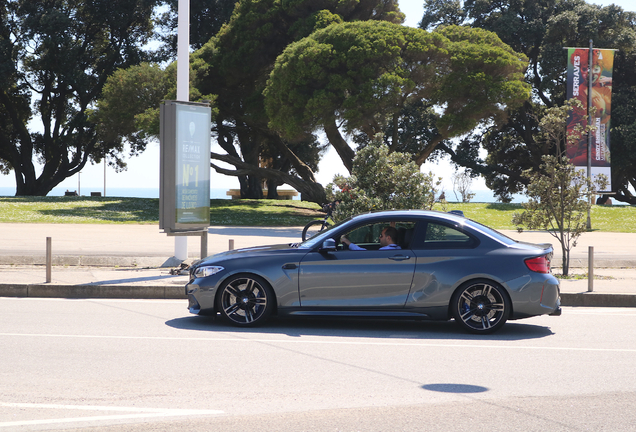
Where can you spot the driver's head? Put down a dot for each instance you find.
(388, 236)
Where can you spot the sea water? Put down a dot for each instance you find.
(216, 193)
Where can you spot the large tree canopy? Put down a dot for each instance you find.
(540, 30)
(128, 109)
(59, 54)
(206, 19)
(234, 66)
(360, 76)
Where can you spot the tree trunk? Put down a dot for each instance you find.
(424, 154)
(253, 189)
(566, 260)
(345, 152)
(311, 191)
(272, 185)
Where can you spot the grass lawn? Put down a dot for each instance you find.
(100, 210)
(97, 210)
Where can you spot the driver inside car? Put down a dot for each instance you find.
(387, 240)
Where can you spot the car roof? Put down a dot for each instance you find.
(454, 219)
(409, 213)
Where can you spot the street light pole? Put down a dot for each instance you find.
(183, 90)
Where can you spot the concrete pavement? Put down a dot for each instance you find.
(134, 261)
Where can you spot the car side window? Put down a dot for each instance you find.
(367, 236)
(440, 236)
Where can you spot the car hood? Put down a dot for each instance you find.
(251, 252)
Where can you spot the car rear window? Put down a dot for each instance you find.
(491, 232)
(439, 236)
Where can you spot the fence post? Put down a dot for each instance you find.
(590, 269)
(49, 259)
(204, 244)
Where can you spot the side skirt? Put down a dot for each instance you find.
(392, 314)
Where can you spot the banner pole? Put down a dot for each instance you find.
(590, 83)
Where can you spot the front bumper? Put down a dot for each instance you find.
(200, 299)
(193, 305)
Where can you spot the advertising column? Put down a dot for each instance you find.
(184, 194)
(193, 166)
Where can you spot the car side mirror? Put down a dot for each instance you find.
(328, 245)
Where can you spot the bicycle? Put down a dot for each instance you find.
(314, 227)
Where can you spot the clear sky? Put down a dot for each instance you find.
(143, 171)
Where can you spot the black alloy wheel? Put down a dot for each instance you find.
(246, 300)
(481, 306)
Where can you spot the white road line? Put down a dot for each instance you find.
(133, 413)
(327, 342)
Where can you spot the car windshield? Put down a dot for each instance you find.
(320, 237)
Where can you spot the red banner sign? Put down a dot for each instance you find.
(578, 87)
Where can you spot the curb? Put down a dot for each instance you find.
(598, 300)
(92, 291)
(177, 292)
(90, 261)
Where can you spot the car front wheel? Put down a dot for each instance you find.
(481, 306)
(246, 300)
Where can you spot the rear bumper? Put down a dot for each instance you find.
(536, 294)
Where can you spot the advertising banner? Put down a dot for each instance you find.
(577, 87)
(193, 165)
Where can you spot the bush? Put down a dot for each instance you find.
(381, 180)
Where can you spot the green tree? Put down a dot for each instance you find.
(127, 111)
(540, 30)
(58, 54)
(206, 19)
(382, 180)
(235, 65)
(560, 194)
(362, 76)
(559, 199)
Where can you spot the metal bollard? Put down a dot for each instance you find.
(590, 269)
(49, 259)
(231, 244)
(204, 244)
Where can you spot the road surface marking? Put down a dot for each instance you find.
(133, 413)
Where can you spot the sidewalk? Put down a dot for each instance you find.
(134, 261)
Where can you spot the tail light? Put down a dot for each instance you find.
(539, 264)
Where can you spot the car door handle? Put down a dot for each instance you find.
(399, 257)
(290, 267)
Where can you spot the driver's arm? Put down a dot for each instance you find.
(351, 246)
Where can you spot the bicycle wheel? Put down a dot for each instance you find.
(313, 228)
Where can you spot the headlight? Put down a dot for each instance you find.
(207, 271)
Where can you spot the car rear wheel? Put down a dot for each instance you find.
(481, 306)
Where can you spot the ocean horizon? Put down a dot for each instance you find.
(485, 196)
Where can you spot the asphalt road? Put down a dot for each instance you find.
(147, 365)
